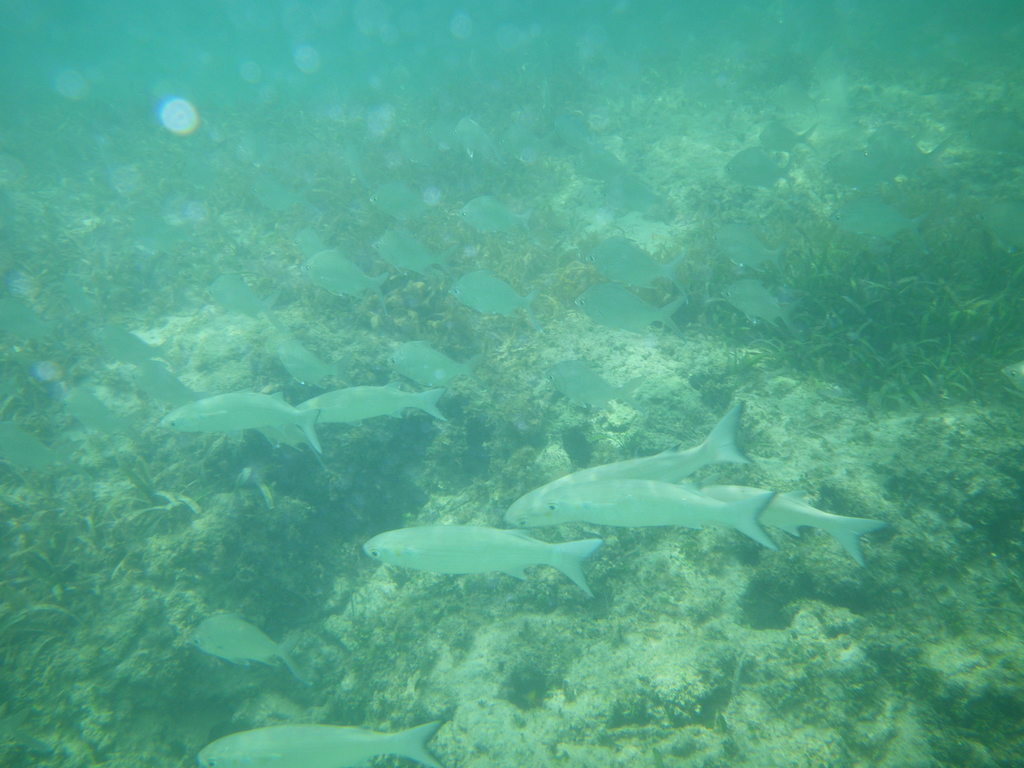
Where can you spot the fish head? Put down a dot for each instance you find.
(531, 510)
(384, 548)
(177, 419)
(1015, 373)
(222, 754)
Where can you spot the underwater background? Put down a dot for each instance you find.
(812, 208)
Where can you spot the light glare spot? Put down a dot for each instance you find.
(71, 85)
(461, 25)
(307, 59)
(179, 116)
(250, 71)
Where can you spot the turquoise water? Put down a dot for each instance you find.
(245, 246)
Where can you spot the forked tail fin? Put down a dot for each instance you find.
(428, 402)
(568, 557)
(412, 743)
(743, 516)
(848, 530)
(720, 444)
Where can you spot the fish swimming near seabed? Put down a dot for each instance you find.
(478, 549)
(1015, 373)
(425, 365)
(230, 637)
(236, 411)
(646, 503)
(358, 403)
(316, 746)
(671, 466)
(791, 512)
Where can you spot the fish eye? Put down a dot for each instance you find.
(374, 552)
(579, 301)
(552, 506)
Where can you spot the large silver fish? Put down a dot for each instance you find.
(478, 549)
(316, 746)
(644, 503)
(669, 466)
(236, 411)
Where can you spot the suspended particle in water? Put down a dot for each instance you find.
(71, 85)
(432, 196)
(380, 120)
(46, 370)
(461, 25)
(250, 71)
(306, 58)
(178, 116)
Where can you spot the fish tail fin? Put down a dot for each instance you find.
(671, 308)
(672, 273)
(290, 666)
(428, 402)
(745, 514)
(568, 557)
(848, 530)
(720, 444)
(412, 743)
(528, 309)
(307, 423)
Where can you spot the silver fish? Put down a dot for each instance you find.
(334, 273)
(234, 294)
(241, 410)
(643, 503)
(358, 403)
(791, 512)
(153, 378)
(669, 466)
(582, 385)
(487, 215)
(478, 549)
(1015, 373)
(21, 321)
(475, 140)
(23, 449)
(232, 638)
(305, 366)
(615, 306)
(425, 365)
(872, 217)
(1005, 222)
(622, 260)
(316, 746)
(744, 248)
(92, 412)
(485, 292)
(400, 249)
(776, 136)
(756, 302)
(399, 200)
(124, 346)
(755, 167)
